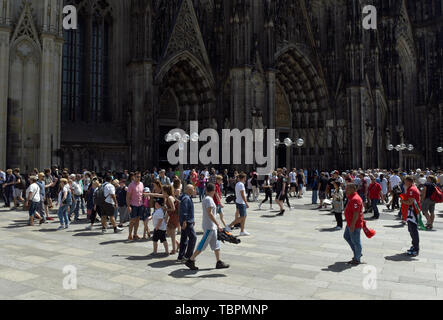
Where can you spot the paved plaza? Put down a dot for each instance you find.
(297, 256)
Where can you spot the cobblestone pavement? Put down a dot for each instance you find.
(297, 256)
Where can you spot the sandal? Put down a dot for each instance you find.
(136, 237)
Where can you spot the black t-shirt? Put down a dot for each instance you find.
(279, 185)
(430, 188)
(300, 179)
(323, 184)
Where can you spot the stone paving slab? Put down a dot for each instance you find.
(297, 256)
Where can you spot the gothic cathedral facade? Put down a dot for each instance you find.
(104, 95)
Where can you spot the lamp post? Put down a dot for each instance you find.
(289, 143)
(400, 148)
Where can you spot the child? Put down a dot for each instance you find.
(146, 214)
(158, 218)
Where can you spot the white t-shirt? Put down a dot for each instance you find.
(292, 177)
(157, 216)
(35, 190)
(60, 194)
(108, 190)
(77, 190)
(394, 180)
(238, 188)
(208, 224)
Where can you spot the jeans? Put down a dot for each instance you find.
(353, 239)
(76, 207)
(188, 239)
(63, 215)
(314, 196)
(201, 193)
(82, 204)
(7, 196)
(374, 204)
(33, 208)
(413, 231)
(41, 209)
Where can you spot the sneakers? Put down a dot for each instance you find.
(413, 253)
(67, 226)
(281, 213)
(221, 265)
(338, 228)
(61, 227)
(259, 206)
(245, 233)
(191, 265)
(104, 230)
(89, 227)
(354, 262)
(118, 230)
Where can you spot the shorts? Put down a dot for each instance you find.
(136, 212)
(209, 237)
(322, 195)
(293, 185)
(18, 193)
(427, 206)
(124, 214)
(146, 213)
(219, 209)
(108, 210)
(159, 235)
(281, 196)
(241, 209)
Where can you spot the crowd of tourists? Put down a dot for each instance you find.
(165, 200)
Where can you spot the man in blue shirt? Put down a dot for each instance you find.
(188, 236)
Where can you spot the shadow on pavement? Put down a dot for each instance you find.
(268, 216)
(48, 230)
(397, 226)
(186, 273)
(164, 264)
(328, 230)
(147, 257)
(114, 242)
(338, 267)
(400, 257)
(87, 234)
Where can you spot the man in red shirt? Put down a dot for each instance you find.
(375, 195)
(354, 220)
(412, 195)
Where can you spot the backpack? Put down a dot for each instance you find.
(437, 195)
(100, 196)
